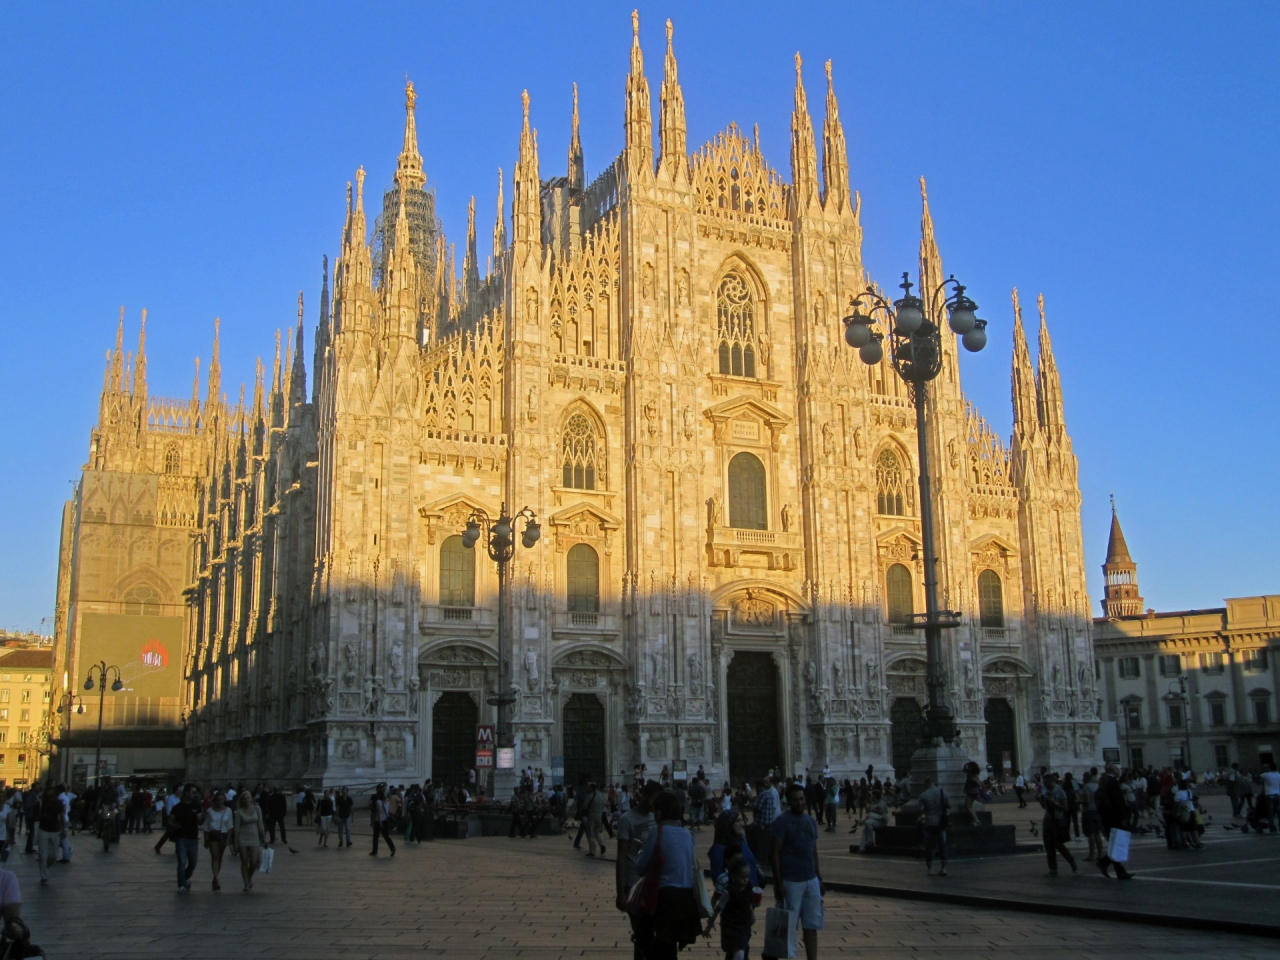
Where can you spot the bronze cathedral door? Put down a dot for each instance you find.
(453, 738)
(754, 744)
(584, 747)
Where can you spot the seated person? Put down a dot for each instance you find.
(877, 817)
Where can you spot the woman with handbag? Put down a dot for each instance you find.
(250, 836)
(218, 823)
(678, 910)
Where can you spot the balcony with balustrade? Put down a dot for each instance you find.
(763, 549)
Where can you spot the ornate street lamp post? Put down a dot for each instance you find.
(104, 673)
(1179, 687)
(65, 703)
(502, 548)
(915, 341)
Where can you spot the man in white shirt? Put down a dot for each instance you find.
(1020, 788)
(66, 798)
(1271, 794)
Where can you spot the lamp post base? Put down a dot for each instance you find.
(504, 784)
(943, 763)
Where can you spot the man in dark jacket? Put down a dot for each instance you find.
(277, 807)
(1114, 813)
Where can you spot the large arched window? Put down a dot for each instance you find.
(736, 326)
(583, 579)
(173, 460)
(747, 501)
(891, 485)
(897, 589)
(990, 599)
(581, 453)
(142, 602)
(457, 573)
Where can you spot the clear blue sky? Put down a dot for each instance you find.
(1121, 158)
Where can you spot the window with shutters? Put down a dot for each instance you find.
(457, 573)
(1212, 663)
(990, 599)
(581, 454)
(583, 579)
(1128, 668)
(1170, 665)
(897, 583)
(1217, 713)
(748, 502)
(736, 326)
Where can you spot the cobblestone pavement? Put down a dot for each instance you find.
(489, 897)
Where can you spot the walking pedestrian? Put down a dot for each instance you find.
(277, 808)
(1271, 794)
(1089, 821)
(737, 910)
(250, 835)
(1056, 824)
(833, 804)
(633, 832)
(219, 821)
(326, 818)
(1112, 814)
(343, 806)
(378, 815)
(676, 921)
(184, 826)
(593, 813)
(49, 821)
(1020, 788)
(797, 879)
(934, 821)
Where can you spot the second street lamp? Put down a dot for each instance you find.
(66, 702)
(913, 327)
(501, 548)
(104, 674)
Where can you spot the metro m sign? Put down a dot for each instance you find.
(484, 737)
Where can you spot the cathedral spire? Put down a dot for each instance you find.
(639, 117)
(931, 275)
(1049, 382)
(527, 224)
(1120, 575)
(470, 266)
(358, 233)
(499, 225)
(577, 169)
(835, 156)
(195, 387)
(672, 136)
(117, 358)
(298, 376)
(409, 175)
(1025, 414)
(804, 161)
(140, 364)
(215, 367)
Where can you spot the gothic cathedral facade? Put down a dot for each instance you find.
(654, 363)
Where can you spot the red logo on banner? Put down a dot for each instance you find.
(154, 654)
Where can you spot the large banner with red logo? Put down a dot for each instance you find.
(148, 651)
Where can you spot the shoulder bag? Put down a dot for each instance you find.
(643, 897)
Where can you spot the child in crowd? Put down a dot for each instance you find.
(737, 912)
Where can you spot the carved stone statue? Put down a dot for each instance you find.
(397, 663)
(828, 439)
(531, 405)
(857, 443)
(811, 674)
(970, 681)
(873, 677)
(713, 510)
(695, 675)
(531, 668)
(687, 416)
(786, 517)
(837, 679)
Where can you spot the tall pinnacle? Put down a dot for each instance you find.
(1049, 382)
(804, 160)
(1025, 413)
(140, 364)
(214, 390)
(931, 275)
(117, 358)
(672, 136)
(835, 156)
(639, 116)
(577, 170)
(528, 186)
(470, 266)
(499, 225)
(298, 374)
(409, 175)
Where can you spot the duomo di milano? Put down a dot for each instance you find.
(654, 363)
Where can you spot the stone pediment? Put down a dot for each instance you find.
(583, 511)
(992, 542)
(448, 515)
(737, 407)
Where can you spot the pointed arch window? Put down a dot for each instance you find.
(736, 326)
(748, 503)
(990, 600)
(173, 460)
(897, 584)
(142, 602)
(892, 498)
(457, 574)
(583, 580)
(581, 454)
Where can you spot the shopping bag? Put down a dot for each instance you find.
(779, 932)
(268, 855)
(642, 899)
(1118, 845)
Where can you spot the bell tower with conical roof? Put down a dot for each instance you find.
(1120, 574)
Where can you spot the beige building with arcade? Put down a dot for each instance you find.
(652, 360)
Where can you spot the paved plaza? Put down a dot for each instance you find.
(535, 898)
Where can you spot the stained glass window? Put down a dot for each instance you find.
(990, 599)
(580, 450)
(897, 582)
(583, 579)
(457, 573)
(891, 483)
(735, 327)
